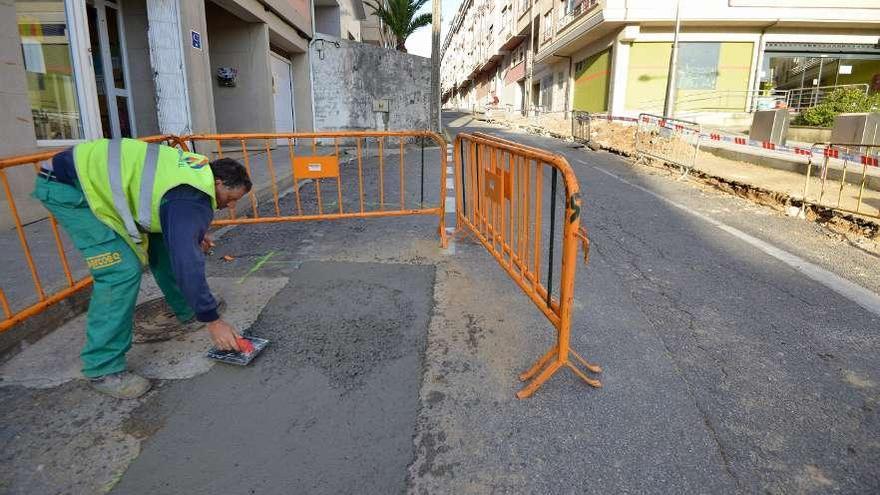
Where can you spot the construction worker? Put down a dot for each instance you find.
(125, 204)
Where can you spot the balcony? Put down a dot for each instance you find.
(577, 10)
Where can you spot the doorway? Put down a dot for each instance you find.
(110, 61)
(282, 94)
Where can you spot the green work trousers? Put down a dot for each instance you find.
(116, 270)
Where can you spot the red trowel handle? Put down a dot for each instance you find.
(245, 346)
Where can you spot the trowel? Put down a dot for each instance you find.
(250, 346)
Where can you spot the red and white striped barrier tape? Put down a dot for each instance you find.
(869, 160)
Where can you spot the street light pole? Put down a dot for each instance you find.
(435, 67)
(669, 104)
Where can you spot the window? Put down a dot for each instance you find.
(548, 25)
(697, 65)
(48, 63)
(547, 93)
(560, 78)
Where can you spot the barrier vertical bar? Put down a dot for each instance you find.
(4, 303)
(272, 178)
(247, 166)
(338, 176)
(382, 173)
(539, 179)
(22, 237)
(360, 160)
(552, 239)
(402, 179)
(291, 152)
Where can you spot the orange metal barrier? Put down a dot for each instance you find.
(45, 296)
(383, 189)
(501, 200)
(847, 178)
(385, 186)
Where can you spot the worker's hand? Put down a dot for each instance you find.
(207, 244)
(223, 335)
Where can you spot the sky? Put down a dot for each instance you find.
(419, 43)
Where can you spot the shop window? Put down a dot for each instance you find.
(698, 65)
(48, 64)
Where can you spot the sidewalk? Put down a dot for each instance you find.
(786, 176)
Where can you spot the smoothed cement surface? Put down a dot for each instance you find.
(329, 407)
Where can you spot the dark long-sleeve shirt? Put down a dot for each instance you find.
(185, 214)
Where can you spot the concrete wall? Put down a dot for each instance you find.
(198, 75)
(247, 107)
(351, 77)
(16, 125)
(302, 92)
(143, 90)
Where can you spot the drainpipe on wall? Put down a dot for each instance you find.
(756, 86)
(311, 69)
(530, 60)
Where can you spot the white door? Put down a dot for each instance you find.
(282, 92)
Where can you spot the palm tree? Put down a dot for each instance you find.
(399, 17)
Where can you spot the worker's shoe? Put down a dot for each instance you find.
(122, 385)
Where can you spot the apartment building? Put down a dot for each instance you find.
(545, 56)
(82, 69)
(342, 19)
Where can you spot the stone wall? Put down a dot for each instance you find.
(349, 76)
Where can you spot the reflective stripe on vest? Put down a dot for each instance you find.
(148, 178)
(114, 171)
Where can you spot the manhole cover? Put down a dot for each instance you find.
(154, 321)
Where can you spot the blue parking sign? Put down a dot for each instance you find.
(196, 40)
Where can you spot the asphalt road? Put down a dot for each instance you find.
(739, 348)
(726, 369)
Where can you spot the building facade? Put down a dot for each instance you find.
(342, 19)
(82, 69)
(546, 56)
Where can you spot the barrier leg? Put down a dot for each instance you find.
(535, 384)
(538, 366)
(595, 368)
(546, 371)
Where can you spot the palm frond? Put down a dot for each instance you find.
(400, 16)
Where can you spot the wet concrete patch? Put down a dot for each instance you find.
(330, 406)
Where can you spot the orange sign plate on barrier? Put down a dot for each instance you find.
(494, 182)
(316, 167)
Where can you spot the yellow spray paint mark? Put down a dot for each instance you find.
(260, 262)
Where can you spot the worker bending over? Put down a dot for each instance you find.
(125, 204)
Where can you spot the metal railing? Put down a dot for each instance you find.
(800, 99)
(508, 197)
(580, 126)
(796, 100)
(846, 178)
(572, 14)
(671, 140)
(309, 176)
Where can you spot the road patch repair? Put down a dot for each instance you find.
(393, 369)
